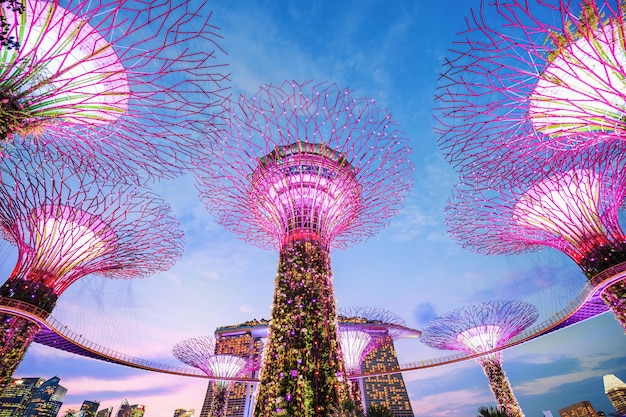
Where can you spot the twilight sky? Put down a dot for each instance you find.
(392, 52)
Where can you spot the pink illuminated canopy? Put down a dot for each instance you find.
(76, 75)
(65, 238)
(565, 204)
(304, 188)
(582, 89)
(355, 345)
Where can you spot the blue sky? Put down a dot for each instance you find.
(390, 51)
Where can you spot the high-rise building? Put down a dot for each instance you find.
(580, 409)
(16, 396)
(388, 390)
(181, 412)
(248, 339)
(615, 389)
(126, 410)
(106, 412)
(46, 400)
(89, 408)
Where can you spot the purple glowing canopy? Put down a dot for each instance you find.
(479, 327)
(364, 329)
(200, 352)
(533, 75)
(67, 223)
(307, 161)
(137, 82)
(567, 201)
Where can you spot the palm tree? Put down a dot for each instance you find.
(379, 410)
(347, 409)
(490, 411)
(69, 412)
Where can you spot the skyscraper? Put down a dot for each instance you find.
(580, 409)
(89, 408)
(388, 390)
(105, 412)
(46, 400)
(181, 412)
(241, 339)
(249, 337)
(16, 396)
(615, 389)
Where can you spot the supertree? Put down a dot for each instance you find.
(567, 201)
(484, 328)
(305, 168)
(533, 75)
(363, 330)
(66, 224)
(138, 82)
(203, 352)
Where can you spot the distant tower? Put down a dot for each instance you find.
(136, 82)
(89, 408)
(107, 412)
(67, 224)
(127, 410)
(247, 340)
(580, 409)
(528, 76)
(388, 389)
(363, 330)
(569, 202)
(181, 412)
(481, 328)
(17, 394)
(47, 399)
(305, 168)
(615, 389)
(200, 352)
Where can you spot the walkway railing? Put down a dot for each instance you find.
(54, 334)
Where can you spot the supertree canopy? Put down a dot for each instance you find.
(363, 330)
(138, 82)
(66, 224)
(305, 168)
(200, 352)
(484, 327)
(533, 74)
(569, 202)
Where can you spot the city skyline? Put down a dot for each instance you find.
(393, 53)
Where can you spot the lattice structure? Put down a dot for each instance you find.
(200, 353)
(568, 201)
(138, 82)
(532, 75)
(481, 328)
(362, 330)
(305, 168)
(66, 224)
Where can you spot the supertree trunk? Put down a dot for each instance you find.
(219, 404)
(355, 392)
(615, 298)
(16, 335)
(303, 374)
(500, 386)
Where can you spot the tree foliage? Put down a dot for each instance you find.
(379, 410)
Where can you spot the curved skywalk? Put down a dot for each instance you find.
(54, 334)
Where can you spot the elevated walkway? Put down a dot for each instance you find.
(52, 333)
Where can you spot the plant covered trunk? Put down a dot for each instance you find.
(500, 386)
(303, 374)
(17, 333)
